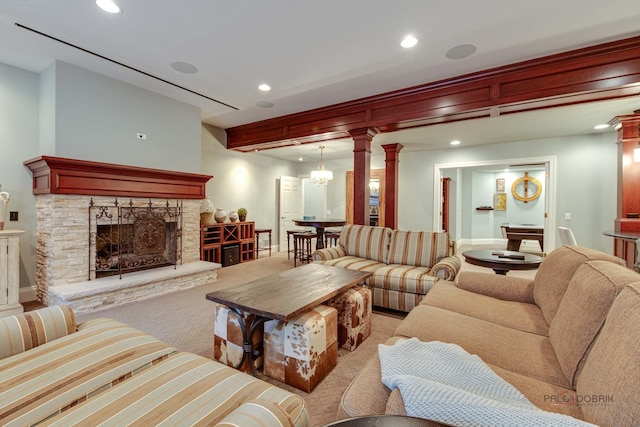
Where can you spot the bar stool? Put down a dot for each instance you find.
(302, 246)
(257, 233)
(331, 238)
(289, 250)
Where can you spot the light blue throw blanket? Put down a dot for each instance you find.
(443, 382)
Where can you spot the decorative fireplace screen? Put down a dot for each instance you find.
(131, 237)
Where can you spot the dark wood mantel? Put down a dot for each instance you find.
(58, 175)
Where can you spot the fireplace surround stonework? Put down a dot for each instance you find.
(64, 270)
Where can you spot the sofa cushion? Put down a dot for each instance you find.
(366, 242)
(418, 248)
(56, 375)
(512, 314)
(610, 378)
(404, 278)
(555, 273)
(583, 309)
(521, 352)
(185, 389)
(22, 332)
(354, 263)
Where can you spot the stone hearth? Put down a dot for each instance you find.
(65, 273)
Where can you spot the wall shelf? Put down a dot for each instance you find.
(484, 208)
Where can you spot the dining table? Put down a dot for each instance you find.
(319, 224)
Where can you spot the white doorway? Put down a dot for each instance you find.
(290, 207)
(549, 163)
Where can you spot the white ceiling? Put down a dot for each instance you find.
(319, 53)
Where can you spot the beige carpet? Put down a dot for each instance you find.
(185, 320)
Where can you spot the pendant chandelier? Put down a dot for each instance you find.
(321, 176)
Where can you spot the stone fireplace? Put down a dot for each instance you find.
(86, 210)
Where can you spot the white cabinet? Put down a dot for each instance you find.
(9, 272)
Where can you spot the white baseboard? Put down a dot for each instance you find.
(27, 294)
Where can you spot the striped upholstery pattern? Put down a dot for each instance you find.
(22, 332)
(354, 263)
(365, 241)
(257, 413)
(447, 268)
(403, 278)
(185, 390)
(419, 248)
(56, 375)
(329, 253)
(401, 301)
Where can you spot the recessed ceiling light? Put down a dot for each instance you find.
(601, 126)
(409, 41)
(108, 6)
(184, 67)
(455, 142)
(264, 87)
(299, 159)
(461, 51)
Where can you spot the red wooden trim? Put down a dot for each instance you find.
(57, 175)
(605, 71)
(361, 174)
(391, 152)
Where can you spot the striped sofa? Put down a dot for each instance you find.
(103, 372)
(405, 264)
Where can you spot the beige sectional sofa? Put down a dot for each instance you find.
(568, 340)
(102, 372)
(405, 264)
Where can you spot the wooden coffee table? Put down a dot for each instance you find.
(284, 295)
(502, 261)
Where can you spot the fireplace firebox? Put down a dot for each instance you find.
(128, 238)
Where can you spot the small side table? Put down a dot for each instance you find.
(258, 232)
(502, 261)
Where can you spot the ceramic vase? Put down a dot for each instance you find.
(233, 216)
(206, 211)
(4, 202)
(220, 215)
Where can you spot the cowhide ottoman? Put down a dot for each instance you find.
(227, 340)
(302, 351)
(354, 316)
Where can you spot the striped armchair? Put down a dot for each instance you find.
(405, 264)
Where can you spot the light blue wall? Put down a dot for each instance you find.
(19, 100)
(243, 179)
(97, 118)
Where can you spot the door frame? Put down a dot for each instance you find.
(373, 174)
(550, 190)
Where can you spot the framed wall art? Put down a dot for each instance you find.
(500, 185)
(500, 201)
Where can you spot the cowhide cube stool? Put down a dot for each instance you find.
(303, 350)
(228, 338)
(354, 316)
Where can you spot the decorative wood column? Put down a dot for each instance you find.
(361, 172)
(627, 223)
(628, 206)
(391, 152)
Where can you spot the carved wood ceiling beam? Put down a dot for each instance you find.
(605, 71)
